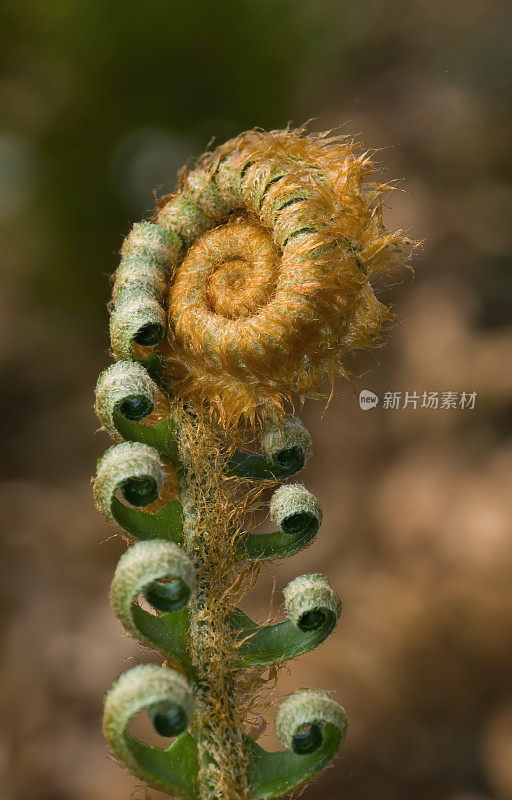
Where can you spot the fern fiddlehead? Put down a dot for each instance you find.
(249, 286)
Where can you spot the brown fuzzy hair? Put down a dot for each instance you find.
(268, 302)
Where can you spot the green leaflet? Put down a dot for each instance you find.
(152, 689)
(297, 513)
(168, 633)
(135, 469)
(161, 437)
(173, 770)
(166, 523)
(285, 447)
(311, 726)
(275, 774)
(126, 388)
(279, 544)
(273, 644)
(155, 568)
(258, 467)
(313, 608)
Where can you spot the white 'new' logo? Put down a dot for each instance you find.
(367, 400)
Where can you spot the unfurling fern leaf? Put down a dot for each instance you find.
(247, 289)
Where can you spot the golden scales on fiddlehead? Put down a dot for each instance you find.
(246, 290)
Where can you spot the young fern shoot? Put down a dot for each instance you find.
(246, 290)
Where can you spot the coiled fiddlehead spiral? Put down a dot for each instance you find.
(250, 285)
(269, 246)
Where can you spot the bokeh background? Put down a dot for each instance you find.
(102, 102)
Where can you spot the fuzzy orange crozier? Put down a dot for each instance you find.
(267, 303)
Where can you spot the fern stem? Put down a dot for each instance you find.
(212, 547)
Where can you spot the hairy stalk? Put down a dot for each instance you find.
(209, 540)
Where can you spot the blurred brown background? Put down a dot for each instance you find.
(102, 102)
